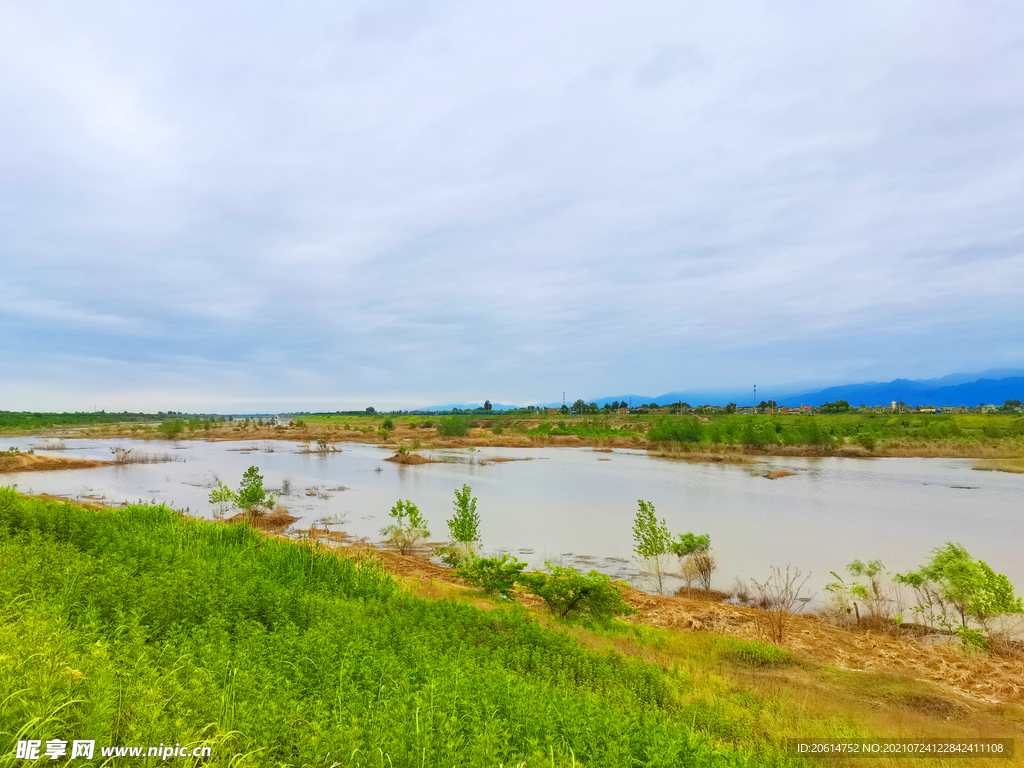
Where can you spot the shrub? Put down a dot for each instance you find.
(409, 528)
(779, 598)
(492, 574)
(388, 424)
(705, 564)
(171, 429)
(954, 579)
(568, 593)
(453, 426)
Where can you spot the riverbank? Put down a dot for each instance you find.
(318, 635)
(34, 462)
(963, 673)
(413, 437)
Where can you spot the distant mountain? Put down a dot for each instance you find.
(992, 386)
(995, 391)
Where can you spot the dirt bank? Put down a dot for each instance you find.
(417, 438)
(34, 462)
(275, 522)
(979, 676)
(411, 458)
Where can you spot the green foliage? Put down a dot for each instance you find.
(651, 542)
(27, 421)
(251, 495)
(650, 537)
(686, 430)
(222, 499)
(492, 574)
(464, 525)
(753, 653)
(138, 626)
(409, 528)
(568, 593)
(687, 544)
(970, 586)
(171, 428)
(453, 426)
(388, 423)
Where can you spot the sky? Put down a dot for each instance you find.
(229, 207)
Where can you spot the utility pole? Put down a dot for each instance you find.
(755, 395)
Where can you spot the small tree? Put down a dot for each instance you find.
(251, 496)
(409, 528)
(652, 542)
(222, 498)
(463, 527)
(969, 586)
(487, 405)
(696, 563)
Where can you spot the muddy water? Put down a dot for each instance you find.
(577, 505)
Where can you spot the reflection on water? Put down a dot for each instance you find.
(569, 505)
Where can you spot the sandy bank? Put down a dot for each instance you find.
(34, 462)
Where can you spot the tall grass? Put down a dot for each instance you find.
(139, 626)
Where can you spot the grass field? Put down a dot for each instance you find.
(136, 626)
(139, 626)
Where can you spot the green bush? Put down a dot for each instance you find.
(570, 594)
(492, 574)
(409, 528)
(453, 426)
(753, 653)
(388, 423)
(171, 428)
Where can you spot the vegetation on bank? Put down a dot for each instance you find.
(138, 626)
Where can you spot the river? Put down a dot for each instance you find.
(576, 505)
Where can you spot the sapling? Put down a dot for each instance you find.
(463, 527)
(652, 542)
(409, 528)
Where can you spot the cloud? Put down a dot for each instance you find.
(448, 201)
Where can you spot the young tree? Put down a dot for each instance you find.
(487, 405)
(222, 498)
(463, 527)
(652, 542)
(695, 559)
(409, 528)
(251, 496)
(970, 586)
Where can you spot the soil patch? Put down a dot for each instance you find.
(93, 505)
(780, 473)
(34, 462)
(274, 522)
(411, 458)
(502, 459)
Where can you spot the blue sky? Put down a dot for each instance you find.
(262, 206)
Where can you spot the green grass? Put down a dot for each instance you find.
(741, 429)
(137, 626)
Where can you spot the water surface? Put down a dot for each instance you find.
(577, 505)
